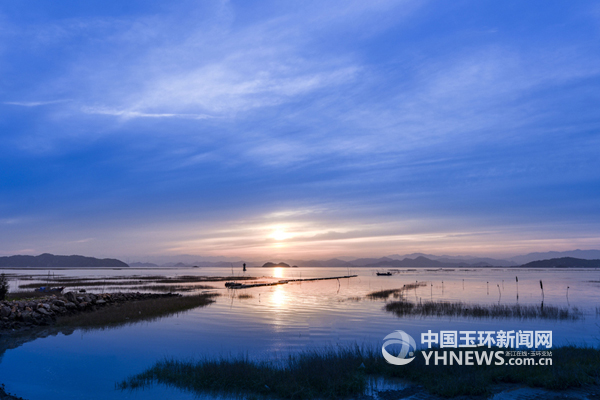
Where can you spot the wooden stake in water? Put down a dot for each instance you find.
(517, 279)
(542, 287)
(568, 296)
(488, 288)
(499, 294)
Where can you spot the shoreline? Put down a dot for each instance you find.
(19, 315)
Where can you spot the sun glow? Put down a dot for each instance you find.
(279, 234)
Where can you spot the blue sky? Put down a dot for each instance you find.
(299, 129)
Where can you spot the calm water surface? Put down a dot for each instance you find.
(281, 319)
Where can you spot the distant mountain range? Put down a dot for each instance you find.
(564, 262)
(51, 261)
(573, 258)
(581, 254)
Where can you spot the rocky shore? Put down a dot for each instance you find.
(24, 314)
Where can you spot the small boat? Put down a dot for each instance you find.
(384, 274)
(232, 284)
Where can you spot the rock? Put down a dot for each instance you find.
(59, 303)
(5, 312)
(71, 297)
(27, 316)
(43, 311)
(100, 302)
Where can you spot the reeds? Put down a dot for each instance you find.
(171, 288)
(26, 294)
(135, 311)
(344, 372)
(459, 309)
(397, 293)
(131, 280)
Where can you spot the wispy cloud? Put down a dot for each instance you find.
(34, 103)
(127, 114)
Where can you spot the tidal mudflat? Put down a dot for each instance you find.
(267, 323)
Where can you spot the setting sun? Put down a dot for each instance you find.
(279, 234)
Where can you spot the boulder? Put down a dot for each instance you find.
(71, 297)
(43, 311)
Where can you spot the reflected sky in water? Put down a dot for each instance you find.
(284, 318)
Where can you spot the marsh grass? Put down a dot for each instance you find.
(458, 309)
(396, 293)
(135, 311)
(80, 284)
(345, 372)
(171, 288)
(26, 294)
(190, 278)
(131, 281)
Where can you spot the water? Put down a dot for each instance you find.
(281, 319)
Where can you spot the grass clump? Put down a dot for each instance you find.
(397, 293)
(135, 311)
(130, 281)
(84, 283)
(307, 375)
(171, 288)
(27, 294)
(404, 308)
(345, 372)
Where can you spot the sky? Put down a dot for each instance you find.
(310, 129)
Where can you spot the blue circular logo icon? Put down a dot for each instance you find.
(406, 353)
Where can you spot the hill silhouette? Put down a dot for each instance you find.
(563, 262)
(51, 261)
(273, 265)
